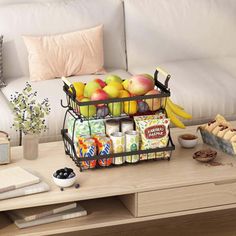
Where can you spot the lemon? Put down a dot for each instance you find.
(126, 84)
(130, 107)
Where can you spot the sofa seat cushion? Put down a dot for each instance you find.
(204, 87)
(51, 89)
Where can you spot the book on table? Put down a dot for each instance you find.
(79, 211)
(29, 214)
(16, 177)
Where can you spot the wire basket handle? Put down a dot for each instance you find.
(68, 85)
(164, 73)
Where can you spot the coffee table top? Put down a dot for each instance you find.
(181, 170)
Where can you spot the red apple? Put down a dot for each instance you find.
(101, 82)
(99, 94)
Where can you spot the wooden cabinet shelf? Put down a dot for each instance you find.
(101, 213)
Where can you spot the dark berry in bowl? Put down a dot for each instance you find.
(64, 177)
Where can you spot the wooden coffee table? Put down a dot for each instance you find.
(130, 194)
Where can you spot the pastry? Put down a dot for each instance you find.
(211, 125)
(229, 134)
(222, 131)
(217, 129)
(222, 121)
(233, 139)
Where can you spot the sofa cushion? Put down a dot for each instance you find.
(75, 53)
(51, 89)
(59, 17)
(166, 30)
(203, 87)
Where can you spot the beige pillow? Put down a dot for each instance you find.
(76, 53)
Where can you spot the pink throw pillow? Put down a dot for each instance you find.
(76, 53)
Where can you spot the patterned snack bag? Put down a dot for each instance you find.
(81, 129)
(97, 127)
(154, 134)
(159, 115)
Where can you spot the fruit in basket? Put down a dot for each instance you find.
(102, 111)
(111, 78)
(101, 82)
(116, 84)
(130, 107)
(99, 94)
(79, 88)
(153, 103)
(90, 88)
(87, 111)
(142, 106)
(112, 91)
(148, 76)
(115, 108)
(125, 84)
(140, 85)
(172, 110)
(124, 94)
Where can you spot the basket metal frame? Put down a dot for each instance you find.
(73, 106)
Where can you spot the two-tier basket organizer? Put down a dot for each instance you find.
(73, 107)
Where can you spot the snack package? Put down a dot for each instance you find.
(97, 127)
(154, 134)
(81, 128)
(159, 115)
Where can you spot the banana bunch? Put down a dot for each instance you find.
(172, 110)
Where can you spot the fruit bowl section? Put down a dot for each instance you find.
(103, 153)
(116, 107)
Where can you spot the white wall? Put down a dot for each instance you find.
(3, 2)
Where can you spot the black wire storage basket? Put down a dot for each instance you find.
(73, 107)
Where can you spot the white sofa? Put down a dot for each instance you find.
(193, 40)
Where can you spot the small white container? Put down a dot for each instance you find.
(64, 183)
(132, 144)
(118, 146)
(126, 124)
(188, 140)
(112, 126)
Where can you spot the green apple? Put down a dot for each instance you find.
(90, 88)
(110, 78)
(87, 111)
(115, 108)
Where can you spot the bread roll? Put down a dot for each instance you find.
(222, 131)
(217, 129)
(233, 139)
(229, 134)
(211, 125)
